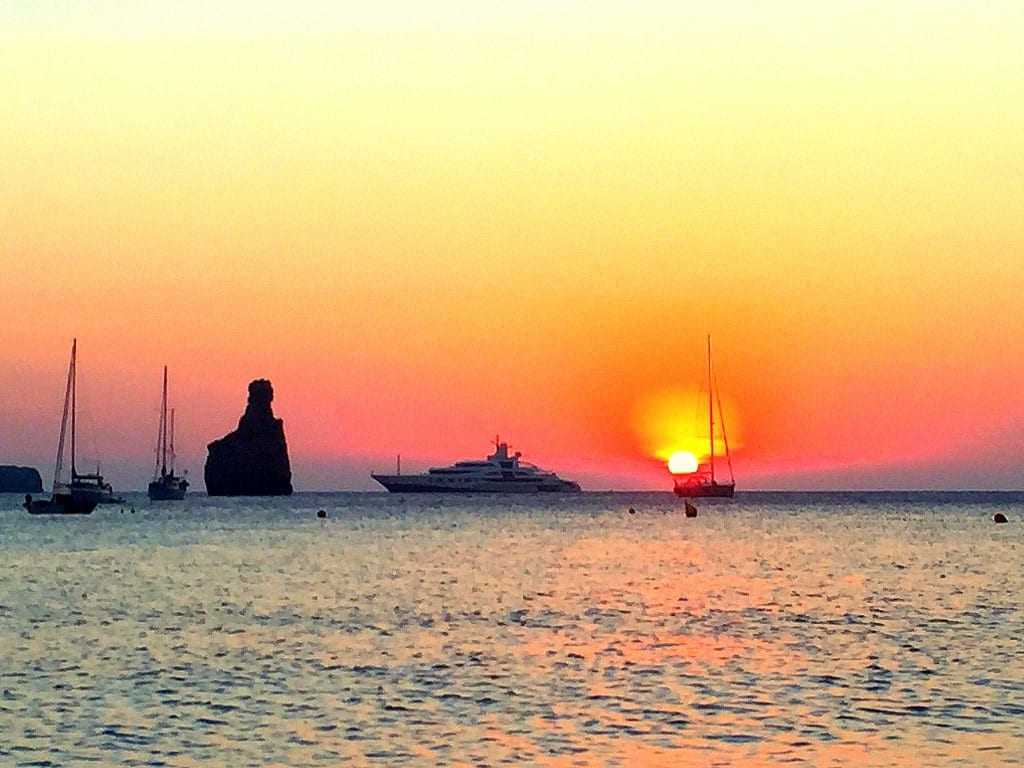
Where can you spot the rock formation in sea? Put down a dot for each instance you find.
(252, 460)
(20, 479)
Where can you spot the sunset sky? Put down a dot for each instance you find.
(428, 223)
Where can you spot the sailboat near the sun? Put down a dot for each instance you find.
(68, 496)
(703, 483)
(166, 485)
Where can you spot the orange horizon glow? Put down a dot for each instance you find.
(674, 423)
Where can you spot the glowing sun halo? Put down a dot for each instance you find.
(682, 463)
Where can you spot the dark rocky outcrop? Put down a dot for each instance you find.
(20, 479)
(252, 460)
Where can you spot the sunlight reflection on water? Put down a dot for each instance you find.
(557, 631)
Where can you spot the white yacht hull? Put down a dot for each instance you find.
(434, 484)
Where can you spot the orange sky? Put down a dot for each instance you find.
(431, 223)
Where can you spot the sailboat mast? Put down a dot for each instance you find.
(73, 376)
(711, 414)
(163, 428)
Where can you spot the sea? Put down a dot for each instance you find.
(594, 629)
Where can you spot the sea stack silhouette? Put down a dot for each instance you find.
(252, 460)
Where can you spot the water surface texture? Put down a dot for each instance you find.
(799, 629)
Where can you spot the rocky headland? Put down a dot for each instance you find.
(20, 479)
(252, 460)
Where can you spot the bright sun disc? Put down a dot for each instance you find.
(682, 463)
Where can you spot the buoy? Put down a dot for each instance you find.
(321, 513)
(691, 511)
(632, 511)
(999, 517)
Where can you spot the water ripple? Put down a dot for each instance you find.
(556, 632)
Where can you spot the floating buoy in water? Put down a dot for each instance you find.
(999, 517)
(632, 511)
(691, 511)
(321, 513)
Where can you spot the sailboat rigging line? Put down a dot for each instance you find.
(725, 435)
(58, 467)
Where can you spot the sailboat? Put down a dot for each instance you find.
(703, 483)
(65, 498)
(166, 485)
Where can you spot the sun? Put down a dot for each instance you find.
(682, 463)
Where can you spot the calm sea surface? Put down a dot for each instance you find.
(801, 629)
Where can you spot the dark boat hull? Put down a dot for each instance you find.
(705, 490)
(59, 505)
(167, 491)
